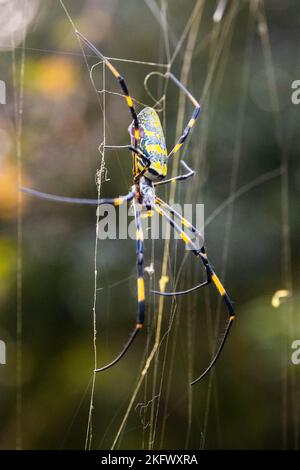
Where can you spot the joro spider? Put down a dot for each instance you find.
(150, 159)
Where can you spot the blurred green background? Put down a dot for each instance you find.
(241, 69)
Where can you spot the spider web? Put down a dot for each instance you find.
(155, 377)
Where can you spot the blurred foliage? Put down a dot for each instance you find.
(62, 129)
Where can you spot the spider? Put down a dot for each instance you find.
(150, 158)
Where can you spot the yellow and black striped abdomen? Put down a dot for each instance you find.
(152, 144)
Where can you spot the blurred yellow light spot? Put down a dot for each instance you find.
(8, 193)
(56, 77)
(279, 296)
(9, 189)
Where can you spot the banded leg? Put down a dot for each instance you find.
(140, 289)
(123, 86)
(198, 234)
(211, 277)
(182, 219)
(140, 263)
(187, 175)
(116, 201)
(193, 118)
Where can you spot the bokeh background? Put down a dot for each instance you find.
(241, 69)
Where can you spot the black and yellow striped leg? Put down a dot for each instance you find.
(226, 299)
(140, 263)
(123, 86)
(184, 222)
(187, 175)
(140, 289)
(116, 201)
(195, 231)
(193, 118)
(211, 277)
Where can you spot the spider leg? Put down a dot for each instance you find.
(140, 289)
(182, 219)
(185, 176)
(193, 118)
(129, 101)
(140, 263)
(123, 86)
(116, 201)
(94, 202)
(122, 353)
(182, 292)
(213, 278)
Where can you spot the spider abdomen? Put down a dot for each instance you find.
(152, 144)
